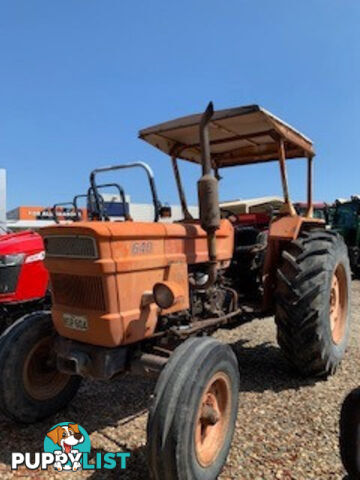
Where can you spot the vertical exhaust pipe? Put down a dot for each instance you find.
(208, 196)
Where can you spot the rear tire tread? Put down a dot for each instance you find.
(302, 303)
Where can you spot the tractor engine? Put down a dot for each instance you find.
(212, 303)
(215, 301)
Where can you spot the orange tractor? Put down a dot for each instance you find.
(145, 297)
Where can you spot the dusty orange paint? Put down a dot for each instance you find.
(133, 256)
(288, 227)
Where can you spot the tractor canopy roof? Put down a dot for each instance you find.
(238, 136)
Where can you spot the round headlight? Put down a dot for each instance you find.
(167, 294)
(163, 295)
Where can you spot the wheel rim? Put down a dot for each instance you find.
(42, 380)
(212, 419)
(338, 304)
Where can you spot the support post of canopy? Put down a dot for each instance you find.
(310, 209)
(184, 207)
(282, 161)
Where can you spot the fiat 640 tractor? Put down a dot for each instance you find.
(130, 295)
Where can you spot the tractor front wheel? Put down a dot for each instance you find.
(192, 419)
(31, 387)
(313, 302)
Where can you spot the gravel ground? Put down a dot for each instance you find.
(286, 428)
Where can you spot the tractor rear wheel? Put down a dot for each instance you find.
(350, 434)
(31, 387)
(192, 419)
(313, 302)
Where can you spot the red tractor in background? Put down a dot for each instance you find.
(23, 277)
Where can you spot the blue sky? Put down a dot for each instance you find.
(80, 78)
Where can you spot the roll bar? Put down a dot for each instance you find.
(77, 197)
(150, 175)
(100, 213)
(62, 204)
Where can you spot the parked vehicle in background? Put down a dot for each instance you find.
(346, 221)
(320, 210)
(23, 277)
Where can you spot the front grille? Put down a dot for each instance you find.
(70, 246)
(9, 278)
(78, 291)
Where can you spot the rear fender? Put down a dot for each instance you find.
(282, 231)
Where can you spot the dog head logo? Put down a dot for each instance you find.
(67, 441)
(66, 436)
(67, 447)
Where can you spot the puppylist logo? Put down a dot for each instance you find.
(67, 447)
